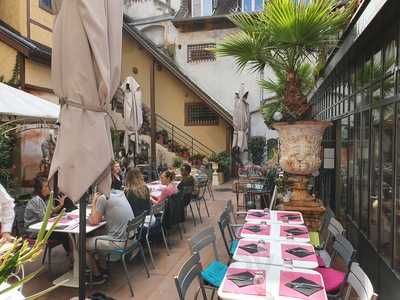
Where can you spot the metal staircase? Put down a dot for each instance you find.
(180, 137)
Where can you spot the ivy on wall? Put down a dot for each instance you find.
(16, 76)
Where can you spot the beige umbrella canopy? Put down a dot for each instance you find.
(133, 114)
(241, 118)
(86, 63)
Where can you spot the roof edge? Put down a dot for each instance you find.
(166, 61)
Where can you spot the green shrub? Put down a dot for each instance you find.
(257, 149)
(177, 162)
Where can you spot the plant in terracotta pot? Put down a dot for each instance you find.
(286, 37)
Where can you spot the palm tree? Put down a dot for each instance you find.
(285, 36)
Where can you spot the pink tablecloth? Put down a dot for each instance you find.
(244, 243)
(287, 276)
(285, 228)
(66, 219)
(255, 289)
(264, 229)
(289, 256)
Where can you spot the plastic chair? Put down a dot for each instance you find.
(316, 237)
(157, 212)
(334, 229)
(334, 280)
(190, 270)
(224, 224)
(214, 273)
(360, 283)
(131, 244)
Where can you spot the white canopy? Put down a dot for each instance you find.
(16, 102)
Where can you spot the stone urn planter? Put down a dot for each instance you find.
(300, 156)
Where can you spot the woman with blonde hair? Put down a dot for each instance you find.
(166, 178)
(137, 192)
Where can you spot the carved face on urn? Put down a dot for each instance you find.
(301, 146)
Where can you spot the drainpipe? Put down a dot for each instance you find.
(153, 123)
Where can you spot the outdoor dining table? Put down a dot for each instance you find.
(276, 232)
(70, 224)
(278, 253)
(249, 281)
(274, 216)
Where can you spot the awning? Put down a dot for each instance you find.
(15, 102)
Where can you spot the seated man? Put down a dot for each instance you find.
(117, 212)
(187, 179)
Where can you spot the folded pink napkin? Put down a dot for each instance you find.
(292, 216)
(298, 252)
(242, 277)
(249, 248)
(256, 229)
(296, 231)
(310, 280)
(257, 214)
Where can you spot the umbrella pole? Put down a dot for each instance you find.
(82, 246)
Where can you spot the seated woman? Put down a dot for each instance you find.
(116, 176)
(36, 209)
(137, 192)
(166, 178)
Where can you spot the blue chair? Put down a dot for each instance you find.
(130, 246)
(224, 224)
(214, 273)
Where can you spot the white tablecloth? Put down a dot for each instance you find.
(275, 229)
(272, 282)
(275, 257)
(273, 217)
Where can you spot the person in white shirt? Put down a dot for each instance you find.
(7, 215)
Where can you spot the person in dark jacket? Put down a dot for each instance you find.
(187, 179)
(137, 192)
(116, 175)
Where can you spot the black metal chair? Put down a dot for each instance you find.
(199, 196)
(188, 199)
(190, 271)
(157, 211)
(130, 245)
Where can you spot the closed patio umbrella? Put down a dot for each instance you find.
(133, 115)
(86, 63)
(241, 119)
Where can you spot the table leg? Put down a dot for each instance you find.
(71, 278)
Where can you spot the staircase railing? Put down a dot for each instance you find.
(182, 138)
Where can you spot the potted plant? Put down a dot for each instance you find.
(257, 149)
(177, 162)
(283, 37)
(20, 253)
(185, 152)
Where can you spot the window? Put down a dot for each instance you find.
(200, 52)
(46, 5)
(202, 8)
(252, 5)
(199, 114)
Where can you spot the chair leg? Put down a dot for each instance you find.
(212, 294)
(191, 210)
(150, 252)
(205, 204)
(165, 239)
(179, 231)
(45, 254)
(144, 260)
(183, 227)
(127, 274)
(210, 191)
(49, 259)
(198, 211)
